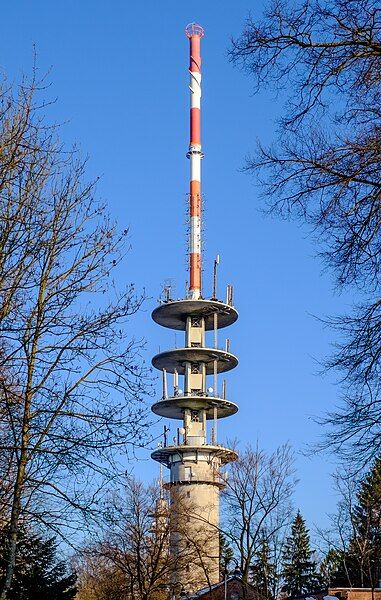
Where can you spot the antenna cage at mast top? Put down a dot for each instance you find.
(194, 29)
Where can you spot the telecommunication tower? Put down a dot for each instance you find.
(194, 456)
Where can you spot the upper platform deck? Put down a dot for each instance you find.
(173, 407)
(173, 313)
(169, 454)
(214, 359)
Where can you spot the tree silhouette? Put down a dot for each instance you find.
(263, 572)
(325, 169)
(360, 563)
(257, 501)
(72, 382)
(299, 569)
(38, 574)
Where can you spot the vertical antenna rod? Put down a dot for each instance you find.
(194, 33)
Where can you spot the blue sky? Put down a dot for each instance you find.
(119, 72)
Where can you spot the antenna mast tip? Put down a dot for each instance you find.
(194, 29)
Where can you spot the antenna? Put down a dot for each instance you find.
(175, 383)
(165, 436)
(167, 290)
(216, 263)
(165, 385)
(194, 33)
(161, 487)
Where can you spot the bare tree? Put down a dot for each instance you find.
(337, 537)
(135, 540)
(72, 380)
(324, 58)
(98, 579)
(151, 543)
(257, 504)
(145, 544)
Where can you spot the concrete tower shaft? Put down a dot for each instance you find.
(194, 456)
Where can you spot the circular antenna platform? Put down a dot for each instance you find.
(175, 360)
(193, 29)
(172, 454)
(173, 408)
(174, 313)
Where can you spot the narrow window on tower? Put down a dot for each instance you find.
(195, 416)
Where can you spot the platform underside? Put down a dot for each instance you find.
(173, 314)
(185, 452)
(170, 484)
(174, 360)
(173, 408)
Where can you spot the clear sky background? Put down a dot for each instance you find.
(119, 72)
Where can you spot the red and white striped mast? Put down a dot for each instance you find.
(194, 33)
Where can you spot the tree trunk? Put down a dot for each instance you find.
(15, 514)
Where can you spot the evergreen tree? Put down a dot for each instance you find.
(38, 574)
(263, 574)
(299, 569)
(331, 566)
(361, 564)
(226, 555)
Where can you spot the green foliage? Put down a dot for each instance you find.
(360, 566)
(263, 572)
(332, 564)
(226, 555)
(299, 569)
(38, 574)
